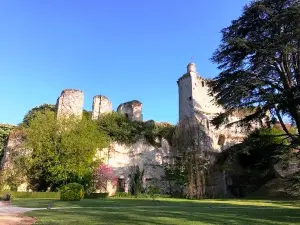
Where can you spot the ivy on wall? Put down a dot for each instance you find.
(5, 129)
(120, 129)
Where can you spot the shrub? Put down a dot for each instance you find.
(153, 191)
(72, 192)
(95, 195)
(122, 195)
(40, 195)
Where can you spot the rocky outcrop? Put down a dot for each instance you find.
(287, 169)
(70, 103)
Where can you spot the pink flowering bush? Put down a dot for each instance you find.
(102, 175)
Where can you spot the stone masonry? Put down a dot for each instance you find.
(101, 105)
(132, 110)
(70, 103)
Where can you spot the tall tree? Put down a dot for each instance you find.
(62, 151)
(259, 59)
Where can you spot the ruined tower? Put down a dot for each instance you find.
(132, 110)
(194, 99)
(101, 105)
(70, 103)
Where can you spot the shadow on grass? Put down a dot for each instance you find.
(115, 202)
(158, 216)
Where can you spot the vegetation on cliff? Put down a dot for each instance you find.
(120, 129)
(5, 129)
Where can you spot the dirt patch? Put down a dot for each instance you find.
(16, 219)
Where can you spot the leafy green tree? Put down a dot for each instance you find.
(62, 150)
(251, 163)
(33, 112)
(176, 176)
(136, 184)
(259, 59)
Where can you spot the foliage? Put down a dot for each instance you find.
(87, 114)
(121, 129)
(122, 195)
(136, 184)
(256, 157)
(153, 191)
(192, 142)
(177, 177)
(72, 192)
(62, 151)
(95, 195)
(259, 62)
(33, 112)
(5, 129)
(6, 197)
(102, 175)
(37, 195)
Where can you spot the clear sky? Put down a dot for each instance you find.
(125, 50)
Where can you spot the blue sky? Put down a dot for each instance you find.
(125, 50)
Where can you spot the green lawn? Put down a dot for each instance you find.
(164, 212)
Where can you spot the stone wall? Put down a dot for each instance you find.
(132, 110)
(70, 103)
(15, 146)
(101, 105)
(15, 143)
(122, 158)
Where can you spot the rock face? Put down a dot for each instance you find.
(101, 104)
(132, 110)
(288, 169)
(15, 143)
(70, 103)
(15, 146)
(122, 158)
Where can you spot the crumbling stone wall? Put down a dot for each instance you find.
(101, 104)
(15, 143)
(70, 103)
(122, 158)
(195, 102)
(132, 110)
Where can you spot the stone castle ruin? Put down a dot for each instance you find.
(101, 105)
(70, 103)
(194, 103)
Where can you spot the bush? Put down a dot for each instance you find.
(95, 195)
(41, 195)
(72, 192)
(122, 195)
(153, 191)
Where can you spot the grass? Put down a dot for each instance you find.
(164, 212)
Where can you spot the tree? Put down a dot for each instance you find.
(136, 184)
(259, 59)
(63, 151)
(193, 145)
(251, 163)
(31, 114)
(176, 176)
(102, 175)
